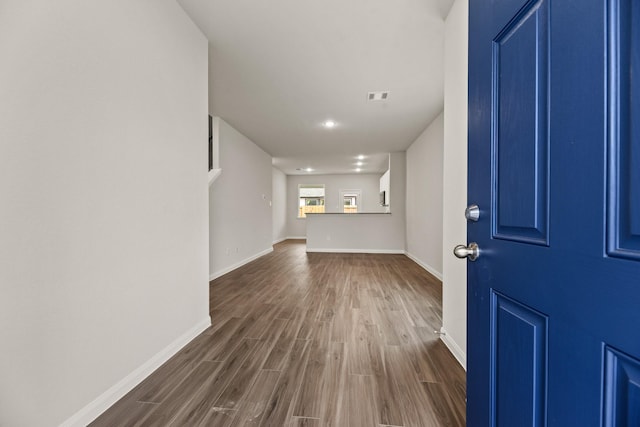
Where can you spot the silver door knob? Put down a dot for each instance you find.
(471, 252)
(472, 213)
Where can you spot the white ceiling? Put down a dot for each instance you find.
(278, 69)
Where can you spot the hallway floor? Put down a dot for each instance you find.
(310, 340)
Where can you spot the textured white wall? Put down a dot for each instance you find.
(424, 198)
(103, 215)
(368, 183)
(279, 204)
(240, 223)
(454, 289)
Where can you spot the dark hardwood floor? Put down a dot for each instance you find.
(310, 340)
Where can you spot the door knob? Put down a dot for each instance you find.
(471, 252)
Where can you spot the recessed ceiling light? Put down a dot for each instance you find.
(360, 157)
(309, 170)
(329, 124)
(358, 170)
(359, 164)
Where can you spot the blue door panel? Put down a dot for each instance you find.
(519, 128)
(519, 336)
(622, 389)
(624, 129)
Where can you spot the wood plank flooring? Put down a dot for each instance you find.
(309, 340)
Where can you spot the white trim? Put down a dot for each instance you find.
(357, 251)
(103, 402)
(239, 264)
(216, 142)
(296, 238)
(275, 242)
(454, 348)
(213, 175)
(425, 265)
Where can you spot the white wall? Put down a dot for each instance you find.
(368, 183)
(385, 186)
(362, 233)
(279, 205)
(240, 220)
(103, 218)
(424, 198)
(454, 289)
(398, 191)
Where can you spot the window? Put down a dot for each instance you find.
(310, 199)
(350, 200)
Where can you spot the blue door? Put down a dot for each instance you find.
(554, 166)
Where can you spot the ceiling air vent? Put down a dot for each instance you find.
(378, 96)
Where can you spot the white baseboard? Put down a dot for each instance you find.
(425, 266)
(454, 348)
(356, 251)
(296, 238)
(239, 264)
(103, 402)
(275, 242)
